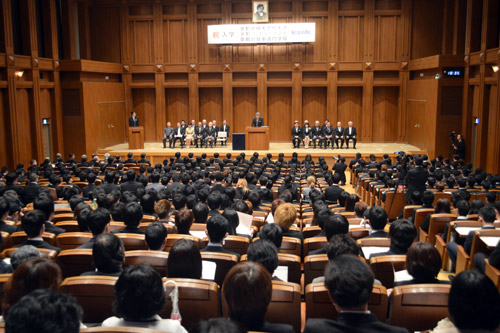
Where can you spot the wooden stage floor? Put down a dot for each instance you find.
(156, 153)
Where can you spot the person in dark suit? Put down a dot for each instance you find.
(339, 135)
(198, 134)
(108, 255)
(317, 134)
(4, 213)
(460, 147)
(33, 224)
(32, 189)
(340, 168)
(328, 135)
(209, 135)
(402, 234)
(332, 225)
(90, 188)
(350, 134)
(416, 178)
(168, 135)
(215, 130)
(143, 160)
(225, 128)
(178, 135)
(133, 121)
(131, 185)
(132, 216)
(377, 218)
(296, 134)
(349, 282)
(306, 134)
(98, 224)
(257, 121)
(217, 230)
(265, 253)
(284, 216)
(44, 203)
(332, 192)
(130, 159)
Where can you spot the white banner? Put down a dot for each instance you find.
(262, 33)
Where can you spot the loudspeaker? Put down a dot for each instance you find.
(238, 141)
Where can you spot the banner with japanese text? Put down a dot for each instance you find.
(261, 33)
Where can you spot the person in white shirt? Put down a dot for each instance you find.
(350, 134)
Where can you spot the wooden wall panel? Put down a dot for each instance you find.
(174, 41)
(279, 52)
(317, 51)
(385, 114)
(313, 105)
(426, 35)
(387, 38)
(5, 136)
(449, 116)
(45, 103)
(278, 110)
(141, 42)
(211, 105)
(177, 101)
(105, 32)
(25, 125)
(349, 107)
(244, 108)
(493, 147)
(351, 38)
(206, 52)
(143, 101)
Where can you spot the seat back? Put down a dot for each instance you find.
(285, 304)
(382, 241)
(44, 253)
(3, 279)
(409, 210)
(437, 224)
(198, 300)
(358, 233)
(291, 261)
(236, 244)
(420, 216)
(68, 225)
(157, 259)
(116, 226)
(493, 273)
(63, 217)
(319, 304)
(291, 245)
(419, 307)
(441, 195)
(172, 238)
(312, 244)
(72, 240)
(393, 205)
(224, 261)
(133, 242)
(95, 294)
(311, 231)
(20, 237)
(383, 268)
(314, 266)
(100, 329)
(74, 262)
(479, 246)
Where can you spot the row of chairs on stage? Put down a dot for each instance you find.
(184, 140)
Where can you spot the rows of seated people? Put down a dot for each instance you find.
(259, 221)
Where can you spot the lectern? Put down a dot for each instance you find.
(257, 138)
(136, 137)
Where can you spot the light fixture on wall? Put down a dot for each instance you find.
(19, 74)
(495, 68)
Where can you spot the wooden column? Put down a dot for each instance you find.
(194, 104)
(68, 29)
(161, 116)
(227, 97)
(296, 95)
(367, 108)
(262, 94)
(331, 96)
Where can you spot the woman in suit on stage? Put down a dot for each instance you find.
(306, 134)
(189, 135)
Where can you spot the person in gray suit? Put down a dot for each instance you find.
(168, 134)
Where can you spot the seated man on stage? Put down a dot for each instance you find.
(296, 134)
(350, 134)
(225, 128)
(317, 134)
(215, 129)
(168, 135)
(339, 135)
(208, 136)
(198, 134)
(328, 134)
(178, 135)
(306, 134)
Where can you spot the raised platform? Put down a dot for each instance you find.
(156, 153)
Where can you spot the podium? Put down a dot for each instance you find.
(257, 138)
(136, 137)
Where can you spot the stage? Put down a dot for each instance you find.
(156, 153)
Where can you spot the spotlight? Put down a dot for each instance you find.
(19, 74)
(495, 68)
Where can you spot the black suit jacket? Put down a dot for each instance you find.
(133, 122)
(225, 128)
(258, 122)
(31, 191)
(351, 322)
(339, 132)
(378, 234)
(296, 131)
(39, 245)
(332, 193)
(219, 249)
(327, 131)
(495, 257)
(415, 180)
(131, 186)
(353, 132)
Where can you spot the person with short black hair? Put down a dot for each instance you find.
(333, 225)
(247, 291)
(402, 234)
(350, 283)
(221, 325)
(265, 253)
(156, 236)
(44, 311)
(214, 201)
(200, 212)
(98, 222)
(139, 297)
(217, 230)
(33, 224)
(108, 254)
(273, 233)
(377, 218)
(4, 213)
(44, 203)
(132, 216)
(131, 185)
(473, 304)
(184, 260)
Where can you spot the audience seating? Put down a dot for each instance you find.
(393, 205)
(3, 279)
(100, 329)
(72, 240)
(290, 245)
(315, 243)
(44, 253)
(409, 210)
(116, 226)
(314, 266)
(20, 237)
(224, 261)
(74, 262)
(233, 243)
(419, 307)
(493, 273)
(133, 242)
(319, 304)
(383, 268)
(198, 300)
(311, 231)
(157, 259)
(95, 294)
(172, 238)
(291, 261)
(358, 233)
(285, 304)
(170, 228)
(5, 240)
(441, 243)
(68, 225)
(441, 195)
(420, 216)
(67, 216)
(436, 225)
(464, 261)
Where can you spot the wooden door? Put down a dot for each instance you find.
(280, 118)
(111, 124)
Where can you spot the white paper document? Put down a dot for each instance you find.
(245, 224)
(208, 270)
(281, 272)
(369, 250)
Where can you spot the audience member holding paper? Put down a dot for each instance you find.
(402, 234)
(184, 260)
(217, 230)
(265, 253)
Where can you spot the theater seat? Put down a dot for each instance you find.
(436, 225)
(198, 300)
(409, 210)
(319, 304)
(383, 268)
(464, 261)
(314, 243)
(101, 329)
(291, 261)
(74, 262)
(224, 261)
(420, 216)
(68, 225)
(314, 266)
(63, 217)
(44, 253)
(493, 273)
(311, 231)
(393, 205)
(72, 240)
(172, 238)
(95, 294)
(285, 304)
(3, 279)
(157, 259)
(133, 242)
(419, 307)
(19, 237)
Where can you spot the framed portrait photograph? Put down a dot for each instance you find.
(260, 11)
